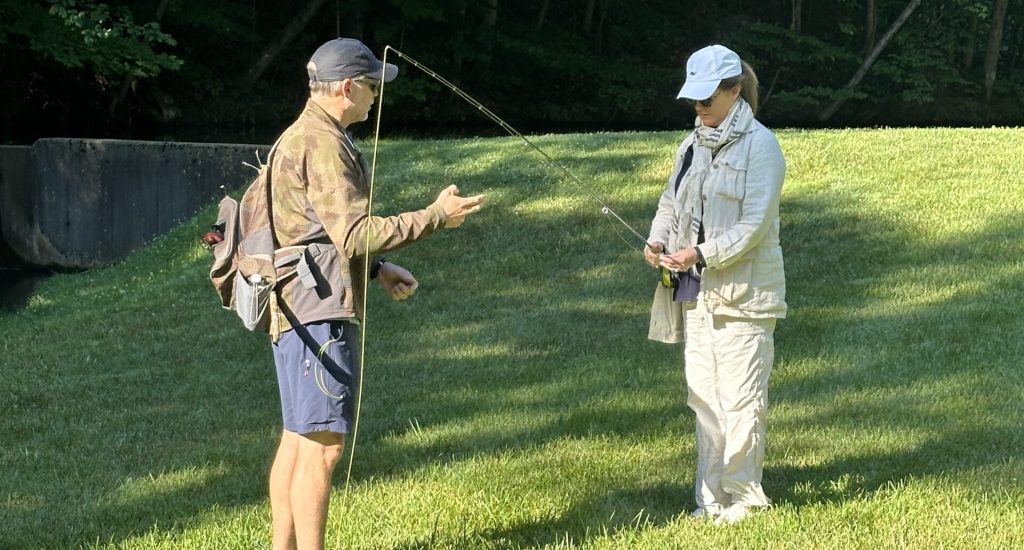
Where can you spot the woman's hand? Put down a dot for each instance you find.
(652, 254)
(680, 260)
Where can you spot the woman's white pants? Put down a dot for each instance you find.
(728, 361)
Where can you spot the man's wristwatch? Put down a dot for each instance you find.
(375, 268)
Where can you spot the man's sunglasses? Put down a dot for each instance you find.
(371, 83)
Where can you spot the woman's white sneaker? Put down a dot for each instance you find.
(733, 514)
(706, 512)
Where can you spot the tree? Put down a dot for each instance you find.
(83, 34)
(870, 27)
(490, 14)
(588, 16)
(542, 14)
(73, 58)
(870, 60)
(995, 42)
(233, 69)
(131, 80)
(295, 26)
(602, 17)
(968, 59)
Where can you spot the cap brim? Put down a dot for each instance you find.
(698, 90)
(389, 73)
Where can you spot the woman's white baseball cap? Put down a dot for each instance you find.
(705, 70)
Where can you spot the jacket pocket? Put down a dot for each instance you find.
(725, 204)
(734, 178)
(732, 284)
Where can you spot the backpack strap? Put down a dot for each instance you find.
(270, 196)
(307, 278)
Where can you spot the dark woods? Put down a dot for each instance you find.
(233, 70)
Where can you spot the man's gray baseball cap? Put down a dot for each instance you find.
(343, 58)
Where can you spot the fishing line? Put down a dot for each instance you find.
(605, 208)
(366, 279)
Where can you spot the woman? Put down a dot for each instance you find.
(716, 237)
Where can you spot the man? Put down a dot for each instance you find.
(320, 186)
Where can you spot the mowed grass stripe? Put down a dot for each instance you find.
(515, 402)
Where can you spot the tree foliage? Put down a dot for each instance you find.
(233, 70)
(106, 40)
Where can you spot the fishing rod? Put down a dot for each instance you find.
(605, 208)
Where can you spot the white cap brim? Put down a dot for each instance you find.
(698, 90)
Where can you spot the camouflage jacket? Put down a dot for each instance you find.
(320, 185)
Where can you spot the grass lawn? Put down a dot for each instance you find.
(515, 402)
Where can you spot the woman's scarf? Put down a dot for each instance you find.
(707, 142)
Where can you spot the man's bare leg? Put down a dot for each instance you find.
(318, 454)
(280, 491)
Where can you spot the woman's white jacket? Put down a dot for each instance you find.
(744, 275)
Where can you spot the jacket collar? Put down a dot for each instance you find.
(316, 112)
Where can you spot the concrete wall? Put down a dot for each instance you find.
(85, 203)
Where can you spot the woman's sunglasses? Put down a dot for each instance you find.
(706, 103)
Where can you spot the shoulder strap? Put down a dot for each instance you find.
(300, 330)
(687, 161)
(270, 196)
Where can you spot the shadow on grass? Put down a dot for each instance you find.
(130, 405)
(925, 334)
(136, 406)
(619, 509)
(575, 526)
(838, 260)
(528, 329)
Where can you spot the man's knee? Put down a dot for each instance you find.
(289, 442)
(328, 446)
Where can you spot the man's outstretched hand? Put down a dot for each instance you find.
(456, 208)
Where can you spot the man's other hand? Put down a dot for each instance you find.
(397, 281)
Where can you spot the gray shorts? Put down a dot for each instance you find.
(318, 375)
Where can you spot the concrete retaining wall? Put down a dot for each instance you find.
(84, 203)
